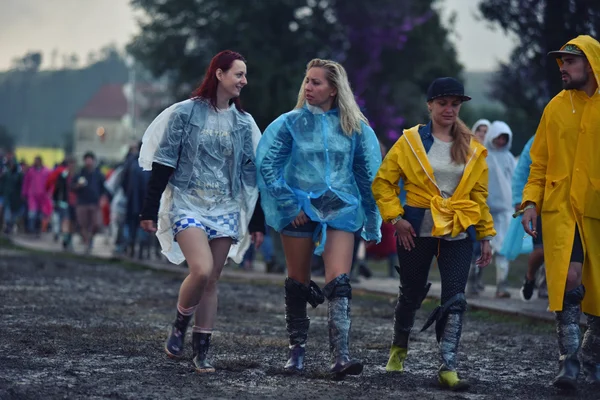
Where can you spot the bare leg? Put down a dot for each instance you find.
(298, 254)
(84, 224)
(197, 252)
(536, 259)
(338, 254)
(206, 311)
(195, 248)
(207, 308)
(574, 276)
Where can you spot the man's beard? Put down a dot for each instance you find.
(576, 84)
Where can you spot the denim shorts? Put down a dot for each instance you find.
(304, 231)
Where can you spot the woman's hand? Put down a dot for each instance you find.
(300, 220)
(148, 225)
(486, 254)
(405, 233)
(257, 239)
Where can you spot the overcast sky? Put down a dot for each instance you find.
(81, 26)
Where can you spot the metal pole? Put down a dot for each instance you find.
(133, 108)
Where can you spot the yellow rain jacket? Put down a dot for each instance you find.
(564, 183)
(467, 208)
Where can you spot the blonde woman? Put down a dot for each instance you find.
(445, 177)
(316, 164)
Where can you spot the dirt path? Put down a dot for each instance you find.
(69, 330)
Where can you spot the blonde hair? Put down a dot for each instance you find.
(462, 142)
(350, 114)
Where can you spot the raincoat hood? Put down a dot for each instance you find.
(496, 129)
(591, 48)
(480, 122)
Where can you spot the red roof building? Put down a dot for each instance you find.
(109, 102)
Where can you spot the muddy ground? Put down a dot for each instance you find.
(70, 329)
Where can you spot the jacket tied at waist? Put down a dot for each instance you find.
(451, 217)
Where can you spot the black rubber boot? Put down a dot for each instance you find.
(297, 295)
(200, 344)
(339, 294)
(590, 350)
(567, 328)
(174, 344)
(295, 362)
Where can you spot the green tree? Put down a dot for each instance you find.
(391, 50)
(278, 38)
(29, 62)
(531, 78)
(7, 141)
(395, 49)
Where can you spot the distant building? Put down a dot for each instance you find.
(104, 124)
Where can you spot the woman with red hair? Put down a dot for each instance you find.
(201, 153)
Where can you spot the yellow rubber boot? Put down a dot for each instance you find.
(450, 380)
(397, 357)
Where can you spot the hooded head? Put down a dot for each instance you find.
(579, 62)
(499, 137)
(480, 128)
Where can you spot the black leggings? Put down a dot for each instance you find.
(454, 260)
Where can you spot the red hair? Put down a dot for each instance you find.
(208, 88)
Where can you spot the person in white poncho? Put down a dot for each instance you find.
(475, 283)
(501, 165)
(201, 152)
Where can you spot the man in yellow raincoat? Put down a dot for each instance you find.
(564, 187)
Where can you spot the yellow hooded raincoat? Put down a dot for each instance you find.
(564, 183)
(407, 159)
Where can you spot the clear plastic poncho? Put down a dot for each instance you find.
(213, 153)
(306, 162)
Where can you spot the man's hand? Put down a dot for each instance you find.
(529, 220)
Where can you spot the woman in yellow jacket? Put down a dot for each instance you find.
(445, 176)
(564, 188)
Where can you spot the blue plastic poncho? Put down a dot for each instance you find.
(213, 155)
(521, 173)
(306, 162)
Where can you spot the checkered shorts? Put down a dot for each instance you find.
(229, 222)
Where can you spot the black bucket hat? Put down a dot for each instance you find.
(447, 86)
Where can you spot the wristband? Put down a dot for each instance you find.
(398, 218)
(521, 211)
